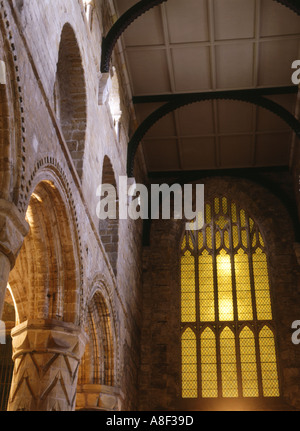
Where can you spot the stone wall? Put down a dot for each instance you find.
(39, 42)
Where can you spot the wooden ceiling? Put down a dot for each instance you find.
(187, 46)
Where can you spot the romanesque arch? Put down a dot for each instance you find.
(98, 373)
(45, 281)
(109, 228)
(70, 96)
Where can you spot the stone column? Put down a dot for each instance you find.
(99, 397)
(13, 229)
(46, 356)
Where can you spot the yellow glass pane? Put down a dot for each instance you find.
(244, 238)
(254, 239)
(243, 218)
(228, 364)
(188, 300)
(235, 236)
(261, 283)
(208, 237)
(217, 205)
(224, 278)
(224, 205)
(243, 286)
(261, 240)
(221, 222)
(226, 239)
(208, 364)
(251, 224)
(268, 363)
(207, 213)
(206, 288)
(233, 213)
(189, 364)
(248, 363)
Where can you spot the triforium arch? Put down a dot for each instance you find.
(98, 373)
(48, 343)
(69, 96)
(109, 227)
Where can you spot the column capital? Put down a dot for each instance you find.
(13, 229)
(47, 355)
(48, 336)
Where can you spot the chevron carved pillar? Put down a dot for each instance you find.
(46, 356)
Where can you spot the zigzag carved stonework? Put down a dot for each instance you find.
(46, 356)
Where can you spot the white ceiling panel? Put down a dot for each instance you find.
(267, 121)
(277, 20)
(135, 35)
(161, 154)
(187, 24)
(236, 151)
(149, 72)
(273, 149)
(238, 24)
(191, 69)
(198, 153)
(276, 57)
(196, 119)
(234, 65)
(234, 117)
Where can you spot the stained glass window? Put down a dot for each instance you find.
(228, 337)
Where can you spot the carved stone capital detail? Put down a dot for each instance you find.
(13, 229)
(47, 355)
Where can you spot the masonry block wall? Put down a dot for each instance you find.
(50, 105)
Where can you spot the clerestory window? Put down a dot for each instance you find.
(227, 329)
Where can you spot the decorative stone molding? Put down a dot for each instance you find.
(46, 354)
(99, 397)
(13, 229)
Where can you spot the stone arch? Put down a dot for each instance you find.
(109, 228)
(98, 360)
(45, 279)
(70, 96)
(98, 372)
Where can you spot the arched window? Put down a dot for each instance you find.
(227, 331)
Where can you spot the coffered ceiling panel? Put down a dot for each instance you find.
(187, 46)
(238, 24)
(192, 27)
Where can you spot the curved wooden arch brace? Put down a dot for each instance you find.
(251, 96)
(120, 26)
(135, 12)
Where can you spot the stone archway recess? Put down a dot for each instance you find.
(48, 343)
